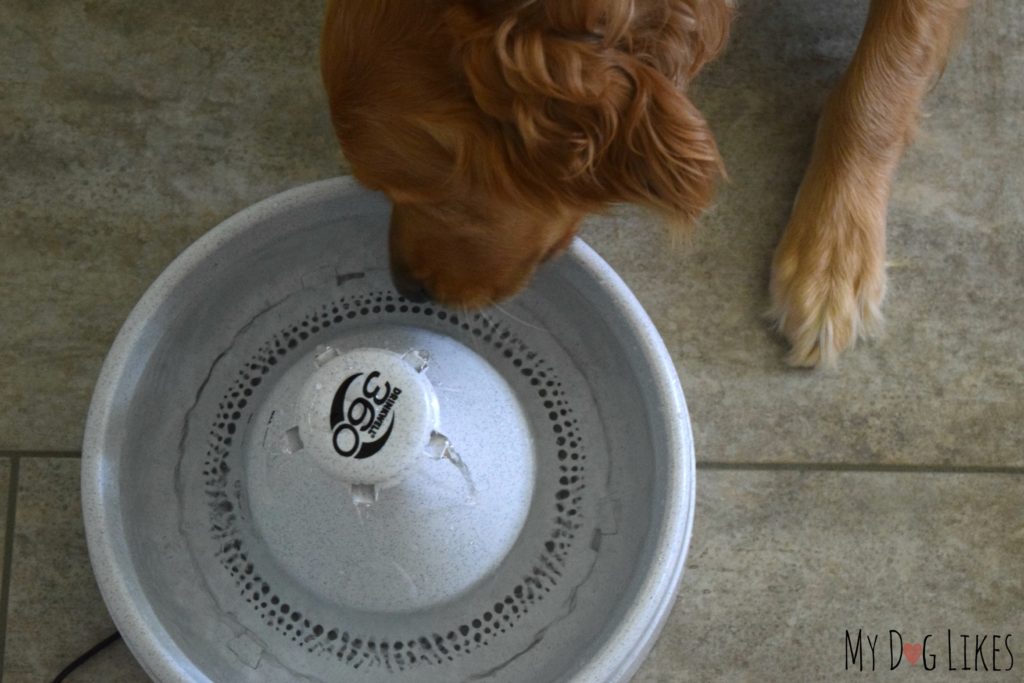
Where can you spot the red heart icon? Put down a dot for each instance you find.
(912, 651)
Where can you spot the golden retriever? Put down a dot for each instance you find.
(496, 126)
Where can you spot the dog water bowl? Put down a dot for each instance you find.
(291, 473)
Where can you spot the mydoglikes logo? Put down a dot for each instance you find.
(946, 652)
(358, 421)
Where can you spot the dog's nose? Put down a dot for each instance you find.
(408, 286)
(401, 276)
(414, 292)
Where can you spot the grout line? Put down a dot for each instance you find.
(858, 467)
(40, 454)
(5, 589)
(727, 466)
(898, 468)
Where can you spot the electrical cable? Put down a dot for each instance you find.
(86, 656)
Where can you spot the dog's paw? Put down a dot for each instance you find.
(828, 274)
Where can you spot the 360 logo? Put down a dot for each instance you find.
(355, 427)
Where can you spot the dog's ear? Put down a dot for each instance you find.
(663, 154)
(589, 94)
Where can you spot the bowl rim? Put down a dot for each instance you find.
(624, 647)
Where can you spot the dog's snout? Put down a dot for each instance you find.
(408, 286)
(413, 291)
(405, 283)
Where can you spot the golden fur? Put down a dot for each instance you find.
(828, 274)
(495, 126)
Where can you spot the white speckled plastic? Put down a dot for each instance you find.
(546, 546)
(366, 416)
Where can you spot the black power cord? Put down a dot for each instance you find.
(84, 657)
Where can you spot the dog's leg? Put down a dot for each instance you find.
(828, 275)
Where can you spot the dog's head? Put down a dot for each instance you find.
(496, 126)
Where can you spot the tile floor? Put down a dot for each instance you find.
(886, 495)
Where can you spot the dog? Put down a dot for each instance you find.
(496, 126)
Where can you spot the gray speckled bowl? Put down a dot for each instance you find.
(226, 553)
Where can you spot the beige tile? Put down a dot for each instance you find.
(782, 564)
(129, 130)
(5, 479)
(122, 162)
(945, 385)
(115, 665)
(56, 612)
